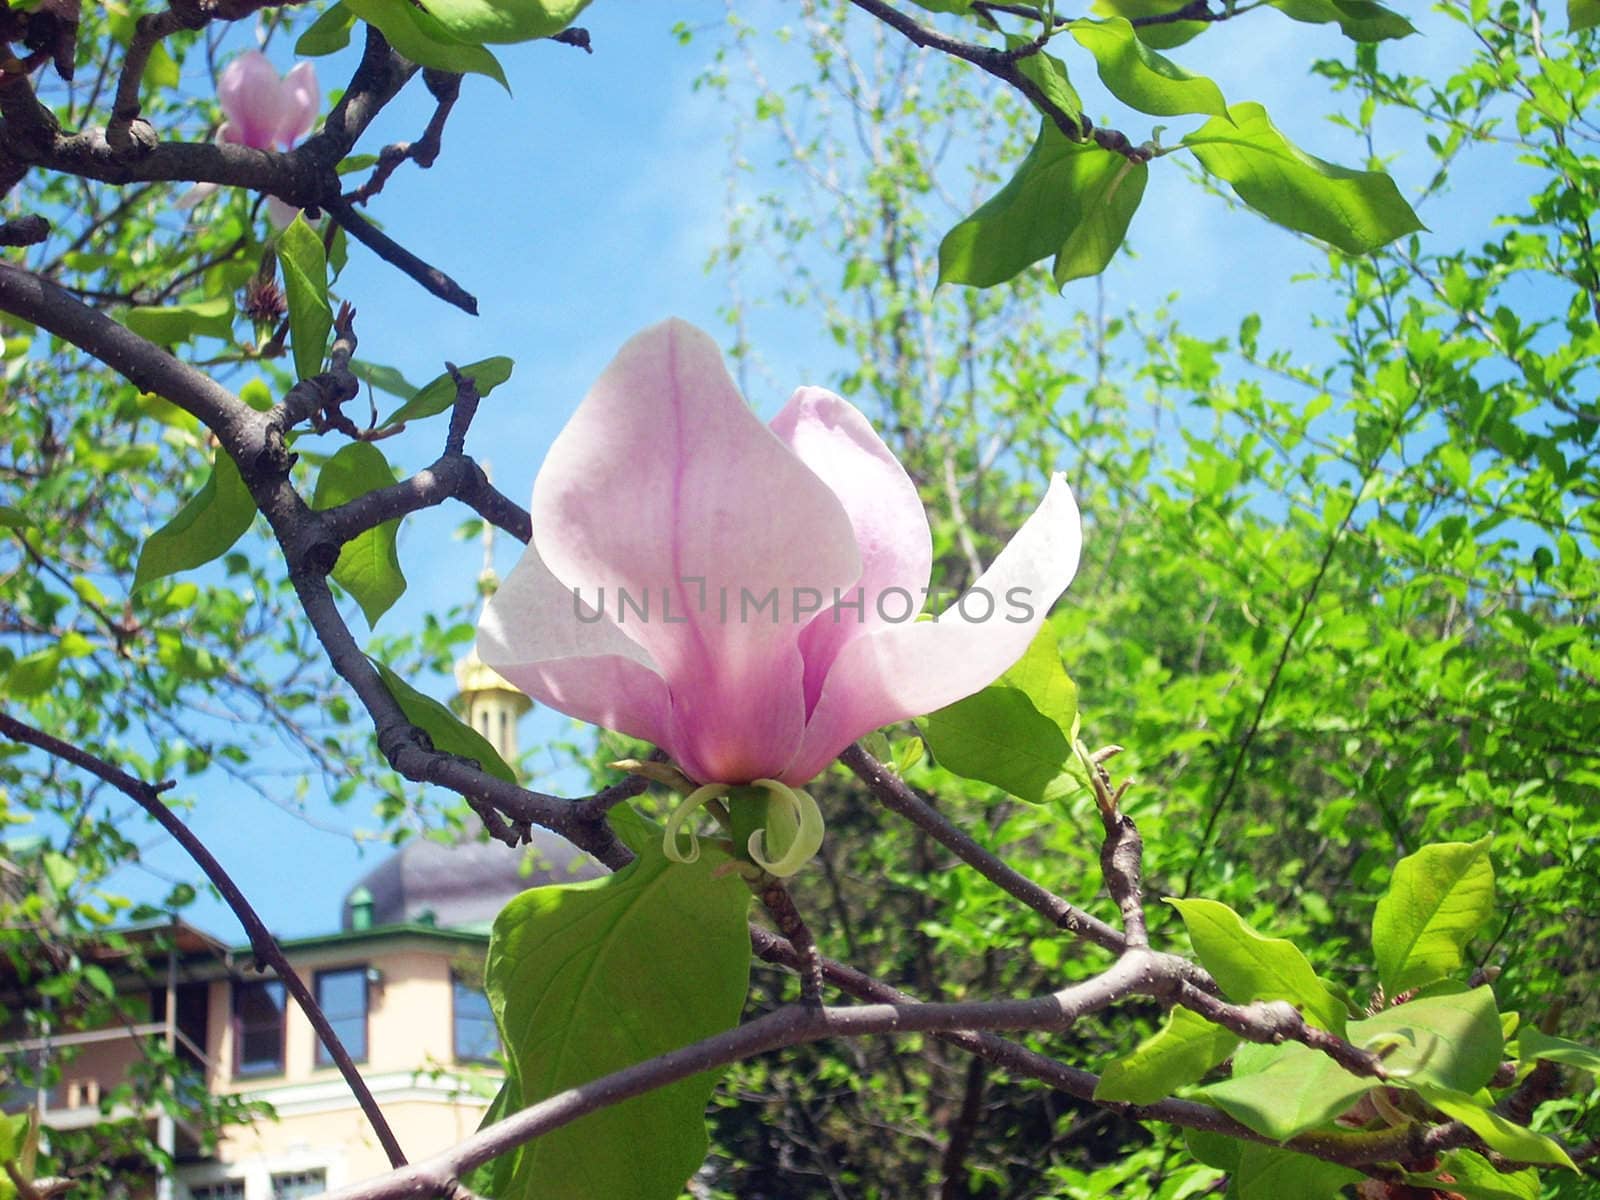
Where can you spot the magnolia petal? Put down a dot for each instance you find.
(280, 212)
(249, 91)
(301, 100)
(194, 195)
(901, 671)
(891, 527)
(666, 488)
(537, 636)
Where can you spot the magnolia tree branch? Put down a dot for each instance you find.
(1002, 64)
(262, 944)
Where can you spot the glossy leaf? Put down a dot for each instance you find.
(369, 565)
(445, 730)
(1582, 14)
(1163, 36)
(439, 393)
(1467, 1173)
(1017, 732)
(1140, 77)
(328, 34)
(1268, 1173)
(478, 21)
(1437, 900)
(417, 36)
(384, 378)
(1516, 1142)
(1533, 1044)
(1451, 1040)
(1248, 966)
(588, 978)
(1356, 211)
(305, 286)
(1359, 20)
(1178, 1053)
(205, 528)
(1280, 1091)
(1050, 73)
(174, 323)
(1068, 199)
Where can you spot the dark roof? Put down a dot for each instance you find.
(465, 884)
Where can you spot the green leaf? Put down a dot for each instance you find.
(1516, 1142)
(439, 393)
(419, 37)
(1358, 20)
(1178, 1053)
(1267, 1173)
(1280, 1091)
(11, 518)
(1248, 966)
(328, 34)
(1468, 1173)
(305, 286)
(1017, 733)
(34, 674)
(1140, 77)
(1213, 1149)
(1164, 36)
(479, 21)
(1451, 1040)
(945, 6)
(368, 566)
(447, 731)
(385, 379)
(175, 323)
(588, 978)
(1073, 200)
(1582, 14)
(1439, 897)
(13, 1134)
(205, 528)
(61, 873)
(1356, 211)
(1050, 73)
(1533, 1044)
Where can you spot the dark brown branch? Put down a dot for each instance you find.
(953, 1165)
(393, 253)
(780, 906)
(262, 944)
(446, 89)
(28, 230)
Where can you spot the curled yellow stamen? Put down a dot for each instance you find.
(793, 831)
(692, 803)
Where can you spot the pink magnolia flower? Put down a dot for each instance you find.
(744, 595)
(264, 112)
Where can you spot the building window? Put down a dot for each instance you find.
(477, 1040)
(258, 1028)
(226, 1189)
(342, 996)
(292, 1185)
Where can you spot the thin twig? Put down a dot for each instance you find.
(393, 253)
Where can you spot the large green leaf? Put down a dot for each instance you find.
(1582, 14)
(1070, 199)
(439, 393)
(1533, 1044)
(205, 528)
(1359, 20)
(419, 37)
(1468, 1173)
(1356, 211)
(588, 978)
(369, 564)
(328, 34)
(1178, 1053)
(1267, 1173)
(1280, 1091)
(479, 21)
(1163, 36)
(1451, 1040)
(305, 286)
(1248, 966)
(1438, 898)
(174, 323)
(1140, 77)
(1476, 1112)
(446, 730)
(12, 518)
(1017, 733)
(1050, 73)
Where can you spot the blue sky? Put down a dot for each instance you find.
(584, 207)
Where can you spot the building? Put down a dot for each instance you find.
(400, 981)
